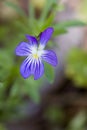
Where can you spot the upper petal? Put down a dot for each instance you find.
(31, 39)
(23, 49)
(45, 36)
(50, 57)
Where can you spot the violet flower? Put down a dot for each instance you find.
(36, 55)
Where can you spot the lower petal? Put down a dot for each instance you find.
(39, 70)
(32, 67)
(50, 57)
(24, 69)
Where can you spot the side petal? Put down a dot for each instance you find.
(39, 70)
(31, 39)
(45, 36)
(23, 49)
(25, 68)
(50, 57)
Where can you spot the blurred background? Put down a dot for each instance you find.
(58, 101)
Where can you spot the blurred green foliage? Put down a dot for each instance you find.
(54, 114)
(13, 88)
(78, 122)
(82, 10)
(76, 67)
(2, 127)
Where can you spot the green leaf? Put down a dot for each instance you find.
(47, 8)
(16, 8)
(70, 23)
(31, 11)
(49, 72)
(61, 27)
(59, 31)
(48, 21)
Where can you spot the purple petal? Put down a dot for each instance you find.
(39, 70)
(31, 39)
(24, 69)
(50, 57)
(45, 36)
(32, 67)
(23, 49)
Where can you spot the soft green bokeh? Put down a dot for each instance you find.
(76, 68)
(78, 122)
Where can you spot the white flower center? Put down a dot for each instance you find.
(36, 52)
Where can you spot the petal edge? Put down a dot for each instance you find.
(31, 39)
(50, 57)
(24, 69)
(45, 36)
(22, 49)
